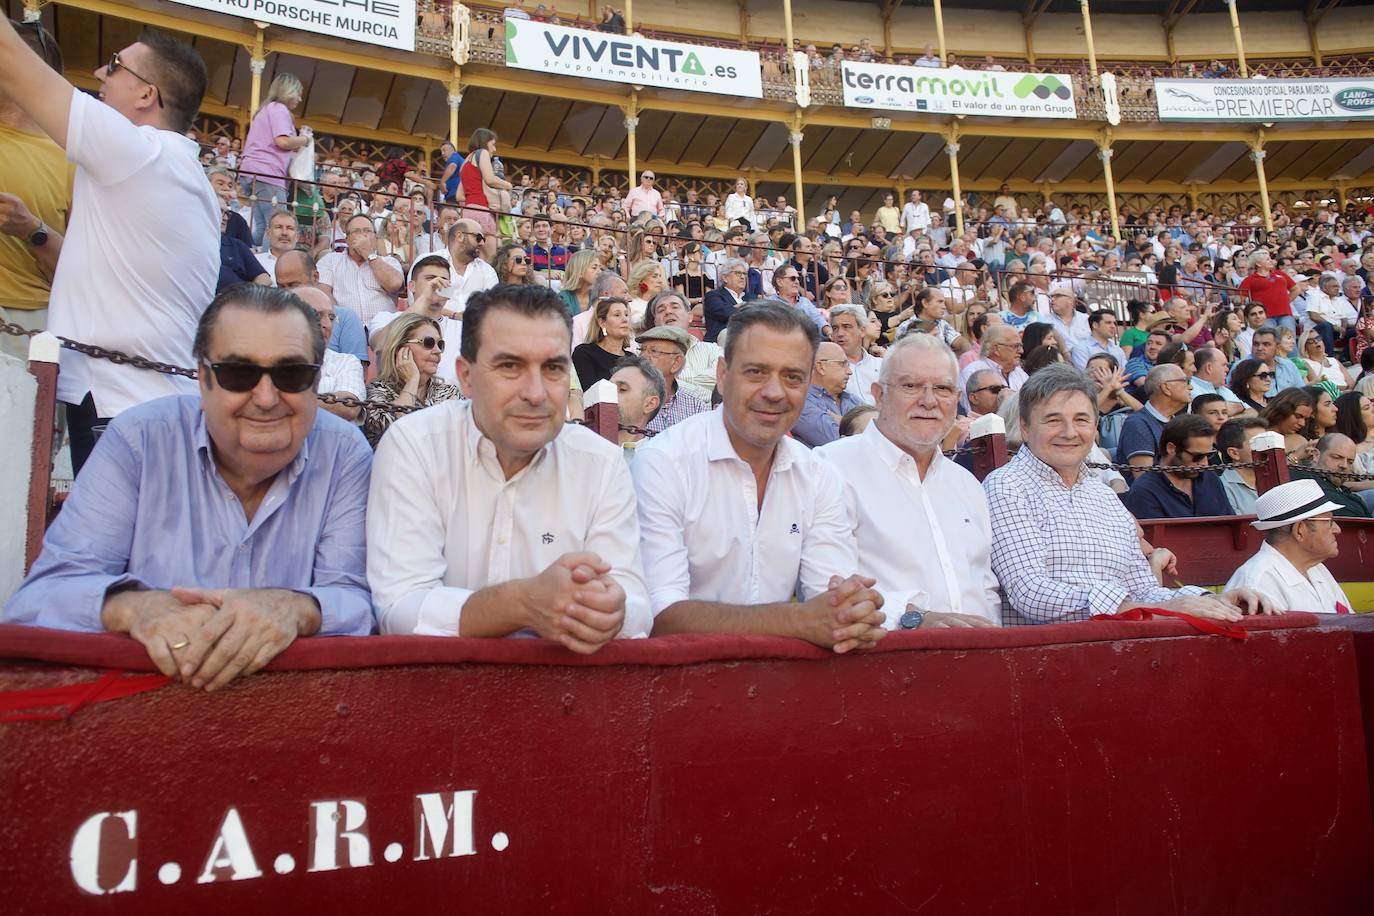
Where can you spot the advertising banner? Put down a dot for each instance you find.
(389, 23)
(1265, 100)
(566, 51)
(985, 93)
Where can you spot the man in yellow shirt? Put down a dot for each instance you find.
(35, 200)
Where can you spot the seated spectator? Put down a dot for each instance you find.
(639, 395)
(340, 373)
(1021, 307)
(787, 283)
(1042, 356)
(1264, 345)
(720, 304)
(428, 295)
(512, 266)
(1143, 360)
(1063, 546)
(1355, 418)
(295, 269)
(1212, 408)
(468, 273)
(828, 399)
(1001, 354)
(1299, 536)
(723, 563)
(1102, 328)
(856, 420)
(198, 526)
(1289, 414)
(847, 324)
(1110, 379)
(669, 309)
(647, 278)
(237, 263)
(1335, 455)
(666, 348)
(282, 236)
(921, 520)
(1187, 444)
(473, 527)
(1233, 442)
(358, 277)
(1209, 377)
(1167, 393)
(608, 336)
(1250, 381)
(411, 348)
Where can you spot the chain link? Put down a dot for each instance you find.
(1174, 468)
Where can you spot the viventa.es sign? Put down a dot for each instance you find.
(389, 23)
(988, 93)
(564, 51)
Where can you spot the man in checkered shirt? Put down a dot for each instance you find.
(1063, 546)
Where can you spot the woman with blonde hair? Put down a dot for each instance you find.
(410, 352)
(578, 275)
(646, 278)
(608, 339)
(272, 141)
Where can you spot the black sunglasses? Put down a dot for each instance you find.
(995, 389)
(1265, 375)
(288, 378)
(115, 64)
(520, 260)
(429, 343)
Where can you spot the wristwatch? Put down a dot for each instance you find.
(912, 619)
(39, 237)
(372, 257)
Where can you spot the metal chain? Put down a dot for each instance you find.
(636, 430)
(1175, 468)
(348, 400)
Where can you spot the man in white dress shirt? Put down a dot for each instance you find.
(340, 373)
(1299, 535)
(921, 520)
(846, 329)
(489, 517)
(429, 279)
(736, 517)
(470, 274)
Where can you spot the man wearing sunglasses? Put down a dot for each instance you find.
(216, 530)
(470, 273)
(1187, 442)
(34, 216)
(141, 253)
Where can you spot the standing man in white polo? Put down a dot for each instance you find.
(141, 254)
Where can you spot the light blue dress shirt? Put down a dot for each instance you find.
(150, 510)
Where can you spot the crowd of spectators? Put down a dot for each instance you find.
(788, 395)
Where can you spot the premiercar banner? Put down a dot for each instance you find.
(566, 51)
(389, 23)
(987, 93)
(1265, 100)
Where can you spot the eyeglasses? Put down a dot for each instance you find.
(1196, 457)
(479, 236)
(1264, 375)
(115, 64)
(288, 378)
(995, 389)
(519, 260)
(884, 295)
(429, 343)
(659, 354)
(646, 178)
(912, 390)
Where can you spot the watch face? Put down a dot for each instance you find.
(39, 238)
(911, 620)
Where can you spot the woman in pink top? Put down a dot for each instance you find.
(477, 175)
(272, 141)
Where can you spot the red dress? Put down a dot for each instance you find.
(475, 205)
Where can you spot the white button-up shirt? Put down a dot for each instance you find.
(341, 372)
(861, 380)
(705, 536)
(355, 285)
(478, 276)
(927, 542)
(444, 522)
(1272, 573)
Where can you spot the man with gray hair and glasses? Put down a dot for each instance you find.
(1063, 546)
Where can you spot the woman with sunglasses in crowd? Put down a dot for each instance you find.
(410, 353)
(608, 339)
(1250, 382)
(512, 265)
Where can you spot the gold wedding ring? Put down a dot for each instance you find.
(185, 641)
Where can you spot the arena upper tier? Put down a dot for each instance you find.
(365, 94)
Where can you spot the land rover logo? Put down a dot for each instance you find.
(1356, 99)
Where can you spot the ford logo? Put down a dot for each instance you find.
(868, 99)
(1355, 99)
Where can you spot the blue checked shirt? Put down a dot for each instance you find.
(1065, 553)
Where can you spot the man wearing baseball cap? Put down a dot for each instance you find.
(1299, 534)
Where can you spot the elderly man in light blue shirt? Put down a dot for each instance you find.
(216, 530)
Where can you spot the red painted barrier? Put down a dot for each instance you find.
(1078, 768)
(1209, 550)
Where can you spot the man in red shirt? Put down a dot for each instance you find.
(1273, 289)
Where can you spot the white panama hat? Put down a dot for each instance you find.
(1290, 502)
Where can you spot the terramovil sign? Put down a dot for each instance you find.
(389, 23)
(1265, 100)
(989, 93)
(626, 59)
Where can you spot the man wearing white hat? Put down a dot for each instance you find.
(1300, 534)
